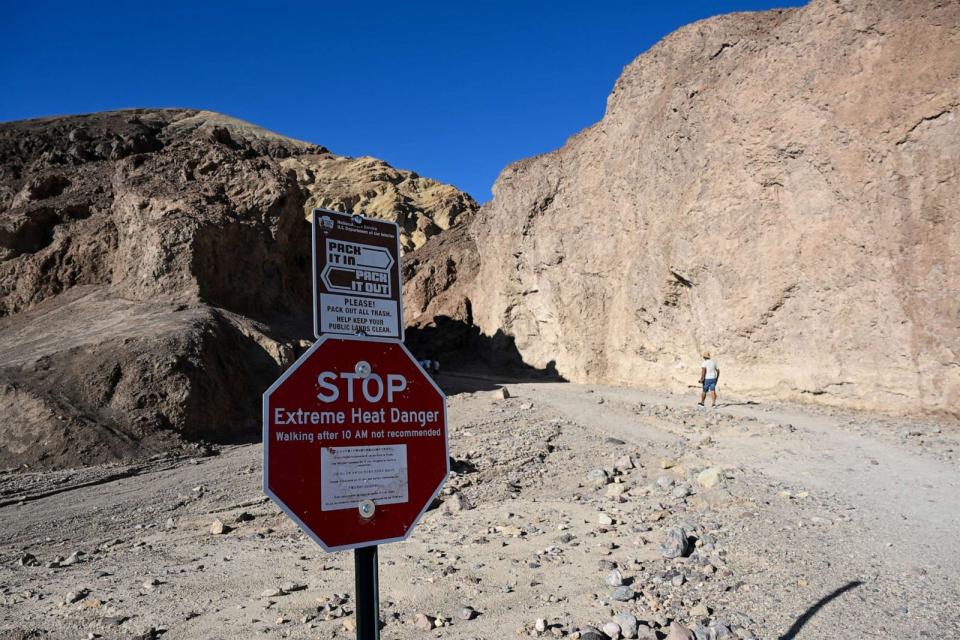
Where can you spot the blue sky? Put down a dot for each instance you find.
(453, 90)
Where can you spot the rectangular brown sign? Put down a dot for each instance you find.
(356, 276)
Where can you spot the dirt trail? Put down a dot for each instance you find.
(909, 493)
(822, 525)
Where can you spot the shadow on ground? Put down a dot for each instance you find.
(471, 361)
(812, 611)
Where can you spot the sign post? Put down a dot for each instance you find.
(355, 432)
(367, 580)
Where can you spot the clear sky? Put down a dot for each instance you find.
(454, 90)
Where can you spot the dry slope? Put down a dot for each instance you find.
(775, 187)
(154, 274)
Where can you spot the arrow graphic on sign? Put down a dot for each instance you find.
(357, 268)
(353, 254)
(374, 258)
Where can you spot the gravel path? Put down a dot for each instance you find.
(803, 523)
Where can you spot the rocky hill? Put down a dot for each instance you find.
(778, 188)
(421, 206)
(154, 274)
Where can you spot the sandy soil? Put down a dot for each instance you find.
(821, 525)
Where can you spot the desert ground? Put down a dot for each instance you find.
(561, 519)
(779, 188)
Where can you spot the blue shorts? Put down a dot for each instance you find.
(709, 385)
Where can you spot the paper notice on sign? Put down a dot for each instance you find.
(353, 315)
(349, 475)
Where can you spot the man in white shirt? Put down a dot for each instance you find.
(709, 374)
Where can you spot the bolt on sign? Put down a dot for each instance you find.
(356, 276)
(355, 442)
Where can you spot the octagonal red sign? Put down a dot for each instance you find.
(354, 442)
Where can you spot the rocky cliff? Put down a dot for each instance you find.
(154, 274)
(778, 188)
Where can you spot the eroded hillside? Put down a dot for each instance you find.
(154, 274)
(774, 187)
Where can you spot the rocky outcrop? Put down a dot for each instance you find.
(420, 206)
(155, 275)
(774, 187)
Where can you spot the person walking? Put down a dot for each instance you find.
(709, 375)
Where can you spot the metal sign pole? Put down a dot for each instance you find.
(368, 593)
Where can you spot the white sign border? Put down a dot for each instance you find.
(401, 325)
(266, 445)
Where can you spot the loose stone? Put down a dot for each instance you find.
(627, 623)
(645, 633)
(598, 477)
(615, 578)
(676, 544)
(680, 632)
(28, 560)
(422, 621)
(681, 491)
(456, 503)
(622, 594)
(712, 477)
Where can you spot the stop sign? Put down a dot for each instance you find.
(354, 442)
